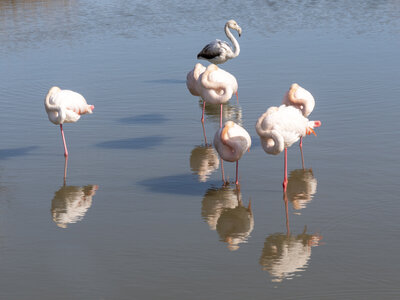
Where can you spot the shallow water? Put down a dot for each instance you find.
(143, 213)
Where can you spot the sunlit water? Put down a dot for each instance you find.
(142, 213)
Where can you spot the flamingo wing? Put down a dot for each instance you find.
(213, 49)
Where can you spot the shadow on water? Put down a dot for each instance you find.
(182, 184)
(134, 143)
(144, 119)
(13, 152)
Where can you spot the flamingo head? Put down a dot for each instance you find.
(224, 132)
(234, 25)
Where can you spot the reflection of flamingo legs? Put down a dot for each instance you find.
(285, 199)
(204, 133)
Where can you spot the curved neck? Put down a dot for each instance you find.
(233, 40)
(219, 90)
(54, 108)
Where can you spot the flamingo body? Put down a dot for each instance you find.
(65, 106)
(218, 52)
(217, 85)
(280, 127)
(231, 142)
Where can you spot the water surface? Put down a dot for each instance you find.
(142, 213)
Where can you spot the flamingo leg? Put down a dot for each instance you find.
(202, 114)
(204, 133)
(237, 172)
(65, 169)
(220, 118)
(65, 144)
(301, 151)
(285, 180)
(237, 97)
(222, 170)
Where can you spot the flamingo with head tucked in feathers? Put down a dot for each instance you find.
(218, 52)
(280, 127)
(302, 99)
(212, 84)
(217, 86)
(231, 142)
(65, 106)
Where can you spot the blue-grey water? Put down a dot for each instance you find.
(142, 213)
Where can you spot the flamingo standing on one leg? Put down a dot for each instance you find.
(198, 86)
(193, 83)
(64, 106)
(218, 52)
(303, 100)
(280, 127)
(217, 86)
(231, 142)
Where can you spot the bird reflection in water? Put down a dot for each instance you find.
(223, 210)
(70, 203)
(230, 112)
(301, 187)
(285, 255)
(204, 161)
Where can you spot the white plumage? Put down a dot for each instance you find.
(218, 52)
(231, 142)
(280, 127)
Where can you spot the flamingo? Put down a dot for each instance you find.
(218, 52)
(299, 97)
(193, 83)
(280, 127)
(231, 142)
(217, 86)
(65, 106)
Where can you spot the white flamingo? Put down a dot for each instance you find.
(231, 142)
(302, 99)
(217, 86)
(218, 52)
(64, 106)
(193, 83)
(280, 127)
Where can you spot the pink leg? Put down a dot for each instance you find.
(204, 133)
(220, 118)
(237, 97)
(285, 180)
(202, 114)
(237, 172)
(65, 169)
(301, 151)
(63, 138)
(222, 170)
